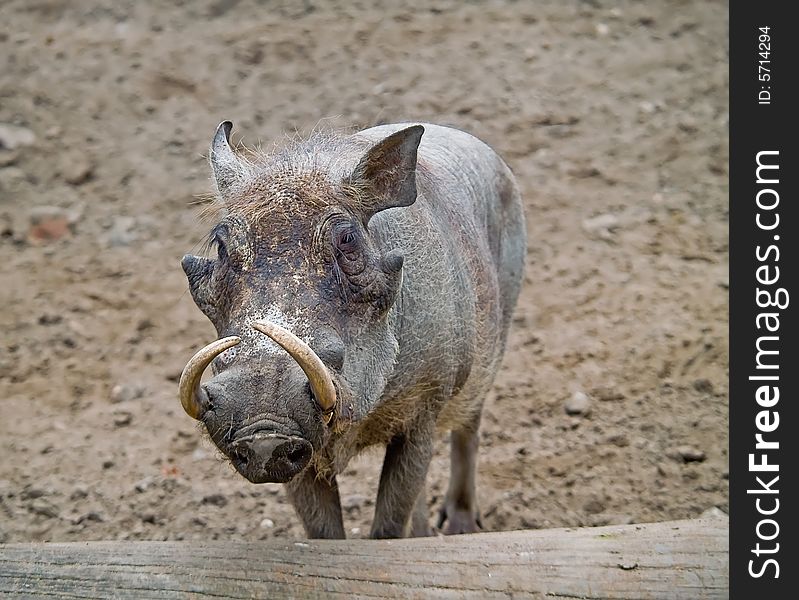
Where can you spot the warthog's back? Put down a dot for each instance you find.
(464, 242)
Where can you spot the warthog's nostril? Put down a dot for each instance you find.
(296, 454)
(292, 455)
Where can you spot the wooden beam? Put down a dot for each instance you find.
(677, 559)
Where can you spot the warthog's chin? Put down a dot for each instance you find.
(270, 458)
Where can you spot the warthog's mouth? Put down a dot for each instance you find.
(263, 425)
(264, 457)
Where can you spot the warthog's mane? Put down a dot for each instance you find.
(298, 176)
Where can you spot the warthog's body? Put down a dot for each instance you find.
(313, 241)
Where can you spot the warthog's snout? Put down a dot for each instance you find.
(269, 458)
(194, 396)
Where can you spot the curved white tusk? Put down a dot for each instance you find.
(192, 397)
(313, 367)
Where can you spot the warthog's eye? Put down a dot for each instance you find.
(348, 249)
(360, 273)
(347, 241)
(232, 243)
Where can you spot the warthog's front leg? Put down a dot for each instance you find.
(420, 519)
(317, 503)
(401, 481)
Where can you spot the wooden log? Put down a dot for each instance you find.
(677, 559)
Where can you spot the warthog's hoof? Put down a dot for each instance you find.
(458, 520)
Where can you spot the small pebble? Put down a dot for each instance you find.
(647, 107)
(215, 500)
(703, 386)
(125, 392)
(123, 418)
(32, 492)
(578, 404)
(601, 225)
(78, 171)
(686, 454)
(48, 230)
(42, 507)
(144, 484)
(14, 136)
(79, 493)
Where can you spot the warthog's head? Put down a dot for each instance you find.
(299, 294)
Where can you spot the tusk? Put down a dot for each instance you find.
(315, 370)
(192, 397)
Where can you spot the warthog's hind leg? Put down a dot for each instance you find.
(459, 511)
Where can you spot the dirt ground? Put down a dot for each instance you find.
(611, 406)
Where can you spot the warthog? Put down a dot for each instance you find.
(362, 292)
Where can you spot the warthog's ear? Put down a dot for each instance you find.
(387, 172)
(227, 168)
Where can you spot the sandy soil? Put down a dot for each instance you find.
(614, 118)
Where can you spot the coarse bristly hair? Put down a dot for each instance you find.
(298, 175)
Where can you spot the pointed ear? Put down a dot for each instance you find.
(386, 175)
(226, 167)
